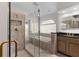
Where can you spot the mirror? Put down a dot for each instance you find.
(69, 20)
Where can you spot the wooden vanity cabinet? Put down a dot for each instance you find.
(73, 47)
(68, 45)
(61, 44)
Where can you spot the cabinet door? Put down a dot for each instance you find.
(61, 44)
(73, 48)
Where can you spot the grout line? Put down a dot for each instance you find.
(28, 52)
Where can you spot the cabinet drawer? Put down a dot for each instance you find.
(73, 49)
(74, 40)
(61, 38)
(61, 46)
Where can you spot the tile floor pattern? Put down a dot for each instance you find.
(30, 47)
(34, 50)
(23, 53)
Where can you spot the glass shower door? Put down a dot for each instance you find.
(35, 33)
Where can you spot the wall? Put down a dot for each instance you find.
(19, 34)
(3, 21)
(48, 28)
(4, 24)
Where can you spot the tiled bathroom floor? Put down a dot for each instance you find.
(30, 47)
(35, 51)
(22, 53)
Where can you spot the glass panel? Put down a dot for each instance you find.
(41, 25)
(33, 25)
(40, 22)
(34, 34)
(28, 25)
(17, 29)
(48, 29)
(4, 8)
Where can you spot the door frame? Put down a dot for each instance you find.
(9, 36)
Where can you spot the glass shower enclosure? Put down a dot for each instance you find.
(34, 34)
(26, 30)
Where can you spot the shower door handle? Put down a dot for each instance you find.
(1, 47)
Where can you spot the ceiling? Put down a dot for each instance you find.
(68, 9)
(64, 5)
(31, 7)
(48, 10)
